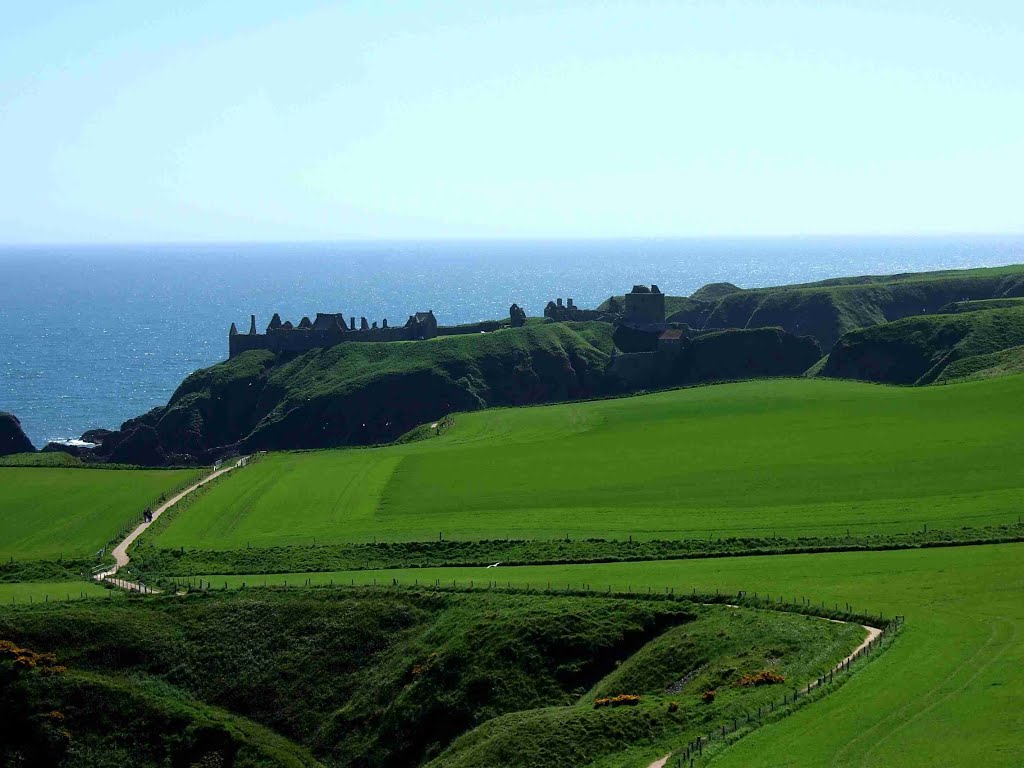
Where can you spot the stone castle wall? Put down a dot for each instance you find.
(286, 338)
(296, 340)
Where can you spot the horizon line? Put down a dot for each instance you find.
(514, 239)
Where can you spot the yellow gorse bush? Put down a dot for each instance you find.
(622, 700)
(764, 677)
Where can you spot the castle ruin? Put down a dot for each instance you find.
(644, 306)
(560, 313)
(642, 310)
(327, 330)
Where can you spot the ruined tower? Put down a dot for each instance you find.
(644, 306)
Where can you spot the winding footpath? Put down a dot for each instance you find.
(120, 553)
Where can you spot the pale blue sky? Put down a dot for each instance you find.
(290, 120)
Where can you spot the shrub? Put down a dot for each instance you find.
(764, 677)
(623, 700)
(673, 706)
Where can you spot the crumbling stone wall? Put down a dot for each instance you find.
(327, 330)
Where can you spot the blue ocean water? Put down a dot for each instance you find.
(94, 335)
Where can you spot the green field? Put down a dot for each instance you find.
(760, 458)
(52, 512)
(949, 692)
(15, 593)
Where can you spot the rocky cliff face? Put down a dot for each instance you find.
(12, 437)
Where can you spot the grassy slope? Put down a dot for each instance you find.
(112, 722)
(830, 308)
(710, 654)
(991, 365)
(48, 459)
(920, 350)
(364, 679)
(385, 679)
(790, 457)
(19, 593)
(46, 512)
(983, 304)
(948, 693)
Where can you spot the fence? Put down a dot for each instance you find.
(45, 598)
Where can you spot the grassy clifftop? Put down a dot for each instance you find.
(829, 308)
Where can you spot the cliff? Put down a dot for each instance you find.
(12, 438)
(365, 393)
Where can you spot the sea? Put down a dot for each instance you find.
(91, 335)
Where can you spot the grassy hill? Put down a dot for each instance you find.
(780, 457)
(829, 308)
(381, 678)
(40, 459)
(923, 350)
(49, 512)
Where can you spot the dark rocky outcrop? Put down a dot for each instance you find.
(12, 438)
(628, 339)
(746, 354)
(140, 446)
(719, 356)
(96, 436)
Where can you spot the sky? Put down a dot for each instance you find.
(272, 121)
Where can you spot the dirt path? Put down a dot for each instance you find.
(873, 633)
(121, 550)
